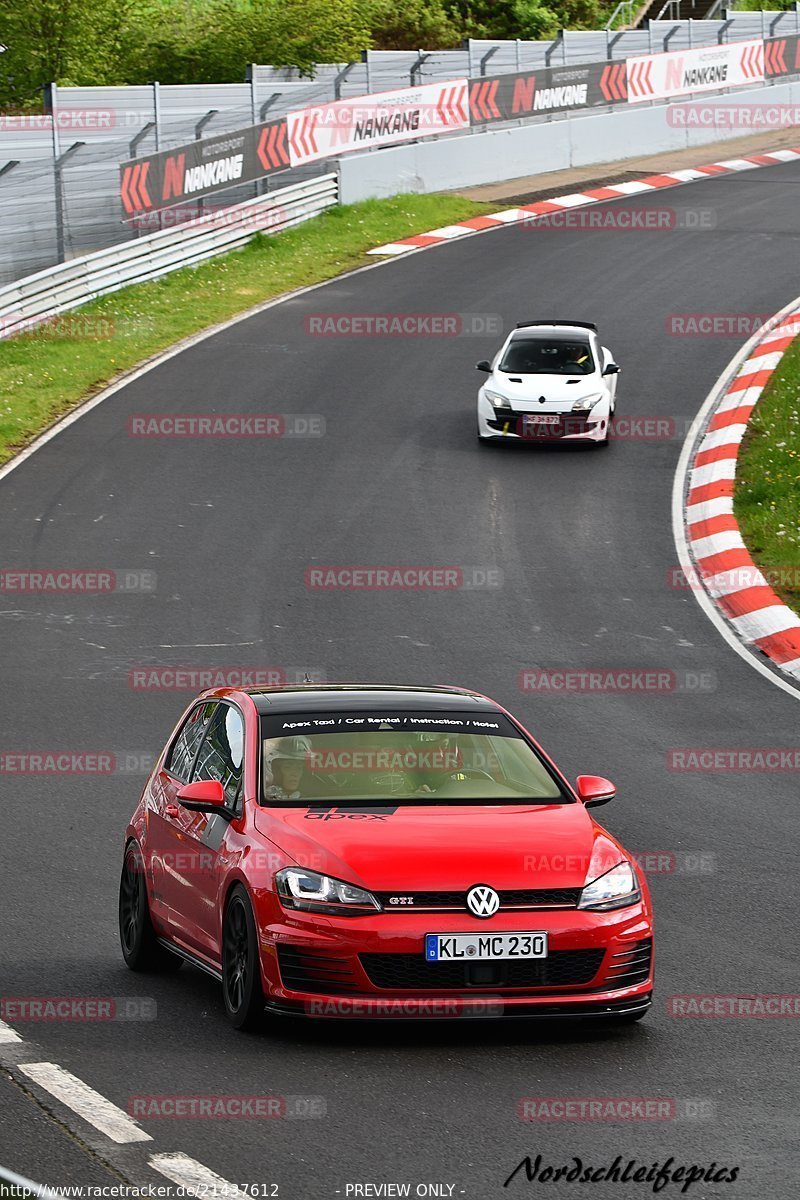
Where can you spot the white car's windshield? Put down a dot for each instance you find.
(406, 757)
(547, 356)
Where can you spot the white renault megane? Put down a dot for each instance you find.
(550, 381)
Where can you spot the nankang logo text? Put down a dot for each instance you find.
(211, 174)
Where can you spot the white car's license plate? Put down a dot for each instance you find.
(480, 947)
(541, 419)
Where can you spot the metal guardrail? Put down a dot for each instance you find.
(22, 1184)
(59, 289)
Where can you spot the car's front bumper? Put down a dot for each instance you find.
(598, 965)
(571, 427)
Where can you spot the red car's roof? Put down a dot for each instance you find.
(332, 696)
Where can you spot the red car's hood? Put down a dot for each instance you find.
(444, 847)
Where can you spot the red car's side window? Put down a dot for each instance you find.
(182, 755)
(221, 755)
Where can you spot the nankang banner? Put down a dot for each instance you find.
(706, 69)
(550, 89)
(378, 120)
(157, 181)
(782, 55)
(172, 177)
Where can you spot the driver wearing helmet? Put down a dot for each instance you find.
(577, 359)
(439, 760)
(285, 762)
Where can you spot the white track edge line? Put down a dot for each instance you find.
(191, 1175)
(85, 1102)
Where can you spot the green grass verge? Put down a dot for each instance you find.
(45, 373)
(767, 495)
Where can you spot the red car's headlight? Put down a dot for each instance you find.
(313, 892)
(618, 888)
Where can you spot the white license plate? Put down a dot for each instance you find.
(541, 419)
(480, 947)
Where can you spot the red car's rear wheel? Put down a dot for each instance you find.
(140, 946)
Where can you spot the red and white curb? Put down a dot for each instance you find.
(722, 565)
(543, 208)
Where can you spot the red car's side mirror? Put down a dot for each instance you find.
(594, 790)
(205, 795)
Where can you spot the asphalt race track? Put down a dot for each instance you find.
(583, 540)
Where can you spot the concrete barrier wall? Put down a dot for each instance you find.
(514, 152)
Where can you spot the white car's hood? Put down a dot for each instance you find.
(559, 394)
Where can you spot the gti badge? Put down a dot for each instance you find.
(482, 901)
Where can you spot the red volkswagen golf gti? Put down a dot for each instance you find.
(380, 851)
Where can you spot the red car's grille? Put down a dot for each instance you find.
(516, 898)
(309, 971)
(410, 972)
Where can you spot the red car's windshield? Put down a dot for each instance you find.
(448, 758)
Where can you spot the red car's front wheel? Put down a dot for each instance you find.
(241, 973)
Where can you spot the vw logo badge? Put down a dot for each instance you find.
(482, 901)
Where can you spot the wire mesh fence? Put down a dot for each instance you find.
(59, 173)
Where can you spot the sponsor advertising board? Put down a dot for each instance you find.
(705, 69)
(172, 177)
(158, 181)
(378, 120)
(782, 55)
(548, 89)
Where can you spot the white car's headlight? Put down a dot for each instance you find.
(496, 400)
(313, 892)
(618, 888)
(586, 403)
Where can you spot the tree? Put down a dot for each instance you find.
(417, 24)
(67, 41)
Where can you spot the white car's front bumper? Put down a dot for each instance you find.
(571, 426)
